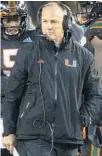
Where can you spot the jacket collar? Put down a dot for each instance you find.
(51, 45)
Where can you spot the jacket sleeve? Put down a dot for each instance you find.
(92, 91)
(14, 91)
(4, 80)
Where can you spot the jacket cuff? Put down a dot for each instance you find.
(8, 128)
(85, 121)
(6, 133)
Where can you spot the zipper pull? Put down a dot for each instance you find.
(25, 109)
(90, 120)
(27, 105)
(56, 53)
(22, 114)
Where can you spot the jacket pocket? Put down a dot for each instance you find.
(29, 103)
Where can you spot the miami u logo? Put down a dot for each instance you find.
(67, 63)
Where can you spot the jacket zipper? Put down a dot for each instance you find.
(55, 74)
(24, 110)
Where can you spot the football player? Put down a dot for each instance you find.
(14, 34)
(13, 31)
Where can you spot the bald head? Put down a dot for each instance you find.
(55, 5)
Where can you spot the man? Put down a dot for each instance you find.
(3, 85)
(4, 79)
(95, 33)
(14, 34)
(94, 44)
(43, 109)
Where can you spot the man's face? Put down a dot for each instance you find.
(97, 44)
(12, 25)
(52, 22)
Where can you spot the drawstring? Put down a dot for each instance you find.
(51, 130)
(43, 107)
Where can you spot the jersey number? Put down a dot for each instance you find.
(7, 54)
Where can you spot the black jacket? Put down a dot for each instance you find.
(43, 97)
(3, 85)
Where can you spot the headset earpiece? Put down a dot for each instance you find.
(67, 20)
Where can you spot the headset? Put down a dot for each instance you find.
(67, 19)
